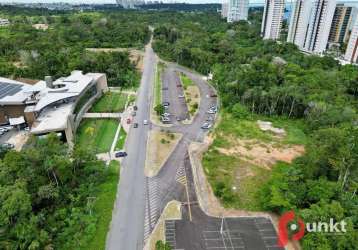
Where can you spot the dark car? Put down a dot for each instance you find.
(166, 104)
(213, 95)
(135, 125)
(165, 88)
(121, 154)
(135, 108)
(179, 85)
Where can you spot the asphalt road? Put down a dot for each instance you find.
(127, 231)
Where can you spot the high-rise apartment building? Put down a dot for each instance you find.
(299, 22)
(352, 48)
(341, 23)
(224, 9)
(237, 10)
(319, 25)
(272, 19)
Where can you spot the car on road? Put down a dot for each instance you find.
(120, 154)
(7, 128)
(145, 122)
(213, 95)
(210, 119)
(166, 114)
(181, 96)
(166, 104)
(179, 85)
(135, 125)
(135, 108)
(211, 112)
(165, 88)
(3, 130)
(206, 125)
(128, 120)
(134, 113)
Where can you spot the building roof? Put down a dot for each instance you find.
(52, 119)
(12, 92)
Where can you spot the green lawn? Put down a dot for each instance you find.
(235, 181)
(185, 80)
(98, 133)
(121, 139)
(111, 102)
(158, 84)
(104, 205)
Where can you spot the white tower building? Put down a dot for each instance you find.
(299, 21)
(352, 48)
(237, 10)
(319, 26)
(272, 19)
(224, 9)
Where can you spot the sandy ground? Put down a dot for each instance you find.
(19, 139)
(171, 212)
(263, 154)
(192, 93)
(158, 152)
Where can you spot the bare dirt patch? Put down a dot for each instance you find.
(263, 154)
(160, 145)
(135, 55)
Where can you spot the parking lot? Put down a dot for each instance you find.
(211, 233)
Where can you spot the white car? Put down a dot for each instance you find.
(166, 115)
(145, 122)
(206, 125)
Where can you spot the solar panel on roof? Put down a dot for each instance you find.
(7, 89)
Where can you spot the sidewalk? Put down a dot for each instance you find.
(102, 115)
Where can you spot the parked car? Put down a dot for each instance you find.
(27, 129)
(165, 88)
(166, 114)
(181, 96)
(213, 95)
(166, 104)
(135, 125)
(206, 125)
(166, 120)
(135, 107)
(120, 154)
(134, 113)
(179, 85)
(128, 120)
(7, 145)
(145, 122)
(210, 111)
(210, 119)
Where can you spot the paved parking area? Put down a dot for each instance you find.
(210, 233)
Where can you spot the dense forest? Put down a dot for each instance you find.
(275, 79)
(27, 52)
(44, 196)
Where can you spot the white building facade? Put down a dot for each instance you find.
(4, 22)
(319, 26)
(272, 19)
(352, 48)
(299, 21)
(224, 9)
(237, 10)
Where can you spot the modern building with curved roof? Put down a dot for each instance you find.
(51, 106)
